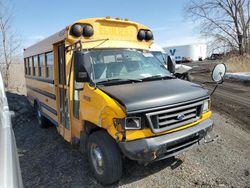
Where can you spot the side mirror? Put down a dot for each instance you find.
(82, 64)
(218, 72)
(171, 64)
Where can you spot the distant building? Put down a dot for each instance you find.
(192, 52)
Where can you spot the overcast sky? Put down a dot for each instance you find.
(36, 20)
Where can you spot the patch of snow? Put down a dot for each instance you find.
(239, 75)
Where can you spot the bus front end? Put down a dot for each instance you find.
(129, 103)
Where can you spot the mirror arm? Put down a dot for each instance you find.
(214, 89)
(213, 82)
(217, 84)
(209, 83)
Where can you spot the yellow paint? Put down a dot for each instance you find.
(120, 34)
(100, 109)
(44, 99)
(44, 110)
(41, 85)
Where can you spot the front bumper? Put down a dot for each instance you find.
(164, 146)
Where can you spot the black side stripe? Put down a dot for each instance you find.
(40, 79)
(52, 110)
(30, 97)
(49, 118)
(45, 93)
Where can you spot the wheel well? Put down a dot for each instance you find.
(36, 104)
(90, 127)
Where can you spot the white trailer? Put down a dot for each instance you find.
(192, 52)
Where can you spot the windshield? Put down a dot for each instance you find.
(110, 64)
(160, 56)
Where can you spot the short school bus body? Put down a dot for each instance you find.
(169, 112)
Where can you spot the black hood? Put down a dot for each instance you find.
(146, 95)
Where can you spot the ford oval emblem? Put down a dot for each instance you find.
(180, 116)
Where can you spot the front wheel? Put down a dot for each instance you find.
(104, 158)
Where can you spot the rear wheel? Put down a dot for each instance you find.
(104, 158)
(42, 121)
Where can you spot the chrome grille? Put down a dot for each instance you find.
(173, 117)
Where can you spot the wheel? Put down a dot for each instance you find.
(104, 158)
(42, 121)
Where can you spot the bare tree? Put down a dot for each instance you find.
(225, 22)
(10, 43)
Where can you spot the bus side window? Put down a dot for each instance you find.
(30, 66)
(35, 70)
(41, 64)
(49, 65)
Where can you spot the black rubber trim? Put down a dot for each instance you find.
(52, 110)
(50, 119)
(40, 79)
(30, 97)
(45, 93)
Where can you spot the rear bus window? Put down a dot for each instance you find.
(26, 66)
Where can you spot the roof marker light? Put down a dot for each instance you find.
(76, 30)
(149, 35)
(141, 34)
(88, 31)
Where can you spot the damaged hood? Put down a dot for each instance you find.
(151, 94)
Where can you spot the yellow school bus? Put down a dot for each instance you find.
(98, 83)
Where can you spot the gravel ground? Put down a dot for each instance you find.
(48, 161)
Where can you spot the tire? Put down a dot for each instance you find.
(42, 121)
(108, 169)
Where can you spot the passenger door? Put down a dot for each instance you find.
(62, 94)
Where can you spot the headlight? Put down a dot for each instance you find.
(205, 106)
(132, 123)
(129, 123)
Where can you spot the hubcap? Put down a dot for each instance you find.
(97, 159)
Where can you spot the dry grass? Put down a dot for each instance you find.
(16, 81)
(238, 63)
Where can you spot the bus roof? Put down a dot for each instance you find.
(108, 33)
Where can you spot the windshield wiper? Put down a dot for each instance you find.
(157, 77)
(118, 80)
